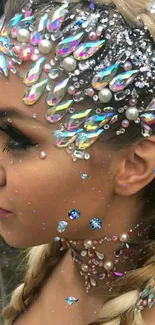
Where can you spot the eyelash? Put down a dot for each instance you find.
(14, 136)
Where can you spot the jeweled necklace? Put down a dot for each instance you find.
(124, 252)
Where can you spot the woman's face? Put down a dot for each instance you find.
(40, 192)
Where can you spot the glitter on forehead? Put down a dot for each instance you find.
(93, 54)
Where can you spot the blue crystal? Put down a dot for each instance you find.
(74, 214)
(71, 300)
(95, 224)
(84, 176)
(62, 226)
(15, 20)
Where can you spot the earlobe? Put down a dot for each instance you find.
(136, 170)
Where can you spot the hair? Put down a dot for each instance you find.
(119, 304)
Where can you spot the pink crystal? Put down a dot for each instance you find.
(114, 238)
(16, 49)
(28, 13)
(26, 53)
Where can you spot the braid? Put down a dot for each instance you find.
(41, 261)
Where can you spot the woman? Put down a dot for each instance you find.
(79, 76)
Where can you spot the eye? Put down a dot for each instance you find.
(17, 140)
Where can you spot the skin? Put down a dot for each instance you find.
(40, 193)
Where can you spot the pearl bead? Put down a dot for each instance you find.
(105, 95)
(69, 64)
(108, 265)
(124, 237)
(88, 243)
(132, 113)
(23, 35)
(45, 46)
(43, 155)
(84, 268)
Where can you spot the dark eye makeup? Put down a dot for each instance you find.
(17, 140)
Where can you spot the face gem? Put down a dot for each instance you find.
(62, 226)
(85, 139)
(63, 139)
(76, 120)
(58, 93)
(148, 118)
(3, 65)
(102, 78)
(95, 224)
(97, 121)
(123, 80)
(68, 45)
(86, 50)
(74, 214)
(58, 17)
(34, 93)
(34, 72)
(56, 113)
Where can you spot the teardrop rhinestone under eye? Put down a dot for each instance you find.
(56, 113)
(34, 93)
(58, 93)
(103, 77)
(34, 72)
(86, 50)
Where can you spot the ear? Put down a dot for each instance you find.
(135, 169)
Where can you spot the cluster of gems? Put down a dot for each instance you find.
(96, 264)
(95, 56)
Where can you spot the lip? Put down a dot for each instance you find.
(3, 214)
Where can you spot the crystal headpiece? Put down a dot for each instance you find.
(95, 56)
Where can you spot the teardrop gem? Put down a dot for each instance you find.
(15, 20)
(97, 121)
(6, 49)
(146, 131)
(3, 65)
(86, 50)
(63, 139)
(99, 255)
(93, 282)
(123, 80)
(85, 140)
(43, 23)
(148, 118)
(102, 78)
(114, 119)
(76, 120)
(108, 109)
(68, 45)
(58, 17)
(34, 93)
(58, 93)
(151, 106)
(56, 113)
(25, 22)
(34, 72)
(35, 38)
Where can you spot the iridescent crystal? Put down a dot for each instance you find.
(68, 45)
(54, 73)
(76, 120)
(148, 118)
(35, 38)
(34, 72)
(12, 23)
(56, 113)
(64, 138)
(6, 49)
(43, 22)
(26, 21)
(108, 109)
(123, 80)
(58, 93)
(85, 139)
(71, 300)
(97, 121)
(62, 226)
(3, 65)
(146, 131)
(151, 106)
(86, 50)
(57, 19)
(34, 93)
(149, 293)
(102, 78)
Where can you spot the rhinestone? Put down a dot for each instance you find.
(95, 224)
(74, 214)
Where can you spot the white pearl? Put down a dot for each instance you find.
(23, 35)
(84, 268)
(105, 95)
(88, 243)
(69, 64)
(132, 113)
(45, 46)
(108, 265)
(124, 237)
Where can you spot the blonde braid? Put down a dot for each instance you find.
(41, 261)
